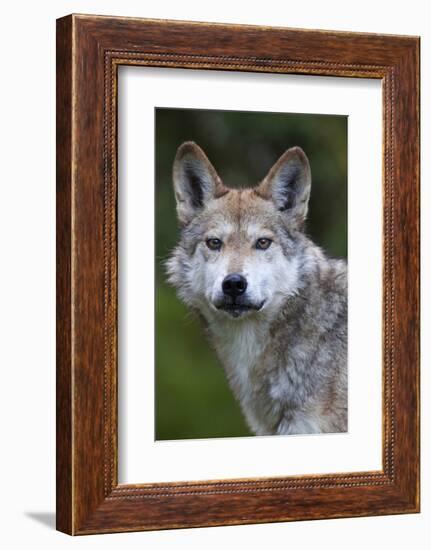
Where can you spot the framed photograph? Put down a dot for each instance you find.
(237, 274)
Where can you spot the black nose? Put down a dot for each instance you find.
(234, 285)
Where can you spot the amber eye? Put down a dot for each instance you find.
(263, 243)
(214, 244)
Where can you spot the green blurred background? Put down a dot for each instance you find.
(193, 399)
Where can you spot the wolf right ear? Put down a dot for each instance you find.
(288, 184)
(195, 181)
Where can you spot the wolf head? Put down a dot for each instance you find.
(238, 254)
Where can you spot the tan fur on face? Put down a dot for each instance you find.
(239, 219)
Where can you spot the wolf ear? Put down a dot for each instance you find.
(195, 181)
(288, 184)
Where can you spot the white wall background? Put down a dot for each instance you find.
(27, 244)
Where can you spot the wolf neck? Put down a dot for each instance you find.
(240, 345)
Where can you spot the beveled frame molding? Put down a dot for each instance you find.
(89, 51)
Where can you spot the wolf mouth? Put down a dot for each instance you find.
(236, 309)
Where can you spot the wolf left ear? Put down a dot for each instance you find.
(288, 184)
(195, 181)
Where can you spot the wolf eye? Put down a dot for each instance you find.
(263, 243)
(214, 244)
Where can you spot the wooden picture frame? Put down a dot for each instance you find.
(89, 51)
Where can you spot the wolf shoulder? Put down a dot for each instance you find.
(332, 299)
(315, 322)
(336, 281)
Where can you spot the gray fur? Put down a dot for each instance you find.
(286, 361)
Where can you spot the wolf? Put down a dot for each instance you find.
(274, 306)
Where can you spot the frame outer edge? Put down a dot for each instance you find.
(64, 368)
(81, 508)
(407, 270)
